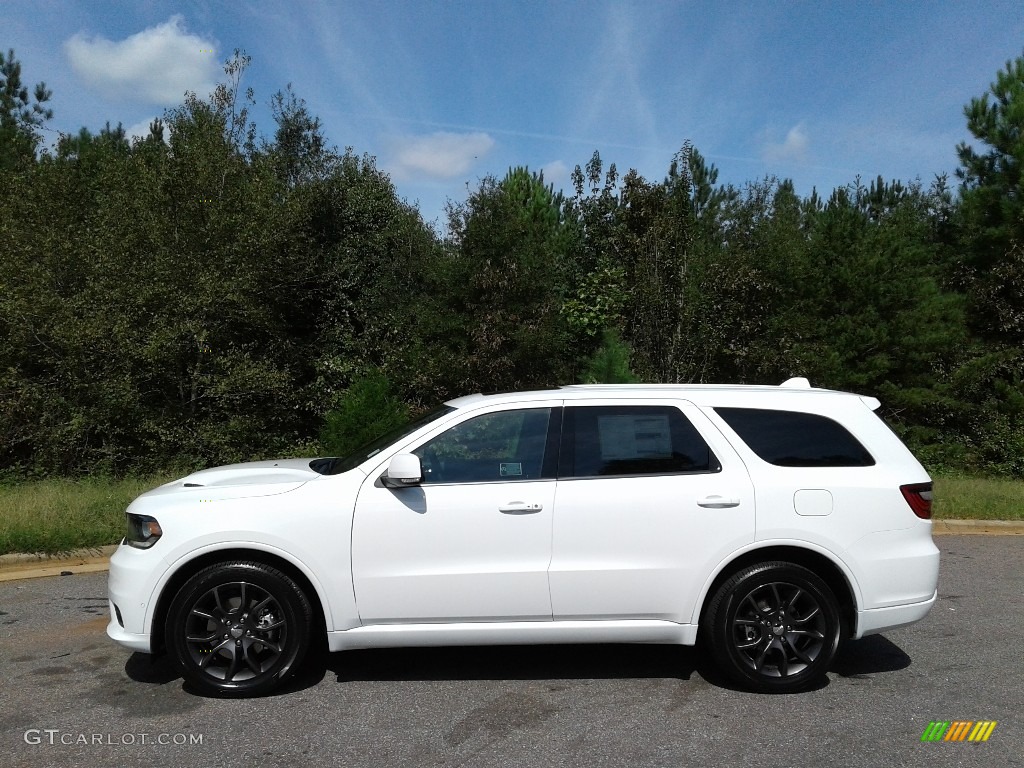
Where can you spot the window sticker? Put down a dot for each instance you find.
(510, 468)
(634, 437)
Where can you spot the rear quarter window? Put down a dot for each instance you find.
(796, 439)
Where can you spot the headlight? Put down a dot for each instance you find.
(143, 531)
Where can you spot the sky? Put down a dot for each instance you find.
(445, 93)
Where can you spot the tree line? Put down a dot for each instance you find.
(209, 294)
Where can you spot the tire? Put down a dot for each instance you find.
(774, 627)
(238, 629)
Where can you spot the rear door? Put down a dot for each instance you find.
(650, 499)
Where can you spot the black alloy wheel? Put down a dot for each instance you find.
(238, 629)
(774, 627)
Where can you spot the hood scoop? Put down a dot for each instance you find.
(281, 472)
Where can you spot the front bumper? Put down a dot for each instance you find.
(131, 584)
(128, 640)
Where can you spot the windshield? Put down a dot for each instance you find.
(338, 465)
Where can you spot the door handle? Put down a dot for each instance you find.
(717, 502)
(520, 508)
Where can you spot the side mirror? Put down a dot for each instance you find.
(403, 470)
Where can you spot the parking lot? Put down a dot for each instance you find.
(71, 697)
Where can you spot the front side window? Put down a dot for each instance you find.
(631, 440)
(494, 447)
(796, 439)
(336, 466)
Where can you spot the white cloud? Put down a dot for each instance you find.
(439, 155)
(556, 172)
(792, 149)
(140, 130)
(155, 66)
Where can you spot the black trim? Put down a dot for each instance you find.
(552, 449)
(685, 473)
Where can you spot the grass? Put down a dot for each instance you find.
(975, 498)
(53, 516)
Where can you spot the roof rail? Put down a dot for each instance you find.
(798, 382)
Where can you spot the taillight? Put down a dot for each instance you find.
(919, 497)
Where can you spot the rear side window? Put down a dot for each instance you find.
(631, 440)
(793, 439)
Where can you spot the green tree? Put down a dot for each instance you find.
(991, 174)
(595, 273)
(299, 145)
(991, 219)
(993, 204)
(671, 241)
(186, 302)
(610, 363)
(751, 285)
(509, 243)
(20, 116)
(368, 409)
(880, 314)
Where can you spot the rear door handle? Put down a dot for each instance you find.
(520, 508)
(717, 502)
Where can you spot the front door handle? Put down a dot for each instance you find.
(717, 502)
(520, 508)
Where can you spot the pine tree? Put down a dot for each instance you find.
(20, 116)
(993, 205)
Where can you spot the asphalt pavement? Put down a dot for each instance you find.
(71, 697)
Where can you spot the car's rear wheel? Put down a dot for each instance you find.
(238, 629)
(774, 627)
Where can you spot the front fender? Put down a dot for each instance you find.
(182, 562)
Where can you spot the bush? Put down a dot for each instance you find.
(366, 410)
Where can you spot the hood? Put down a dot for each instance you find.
(253, 478)
(251, 473)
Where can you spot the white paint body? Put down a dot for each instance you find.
(602, 559)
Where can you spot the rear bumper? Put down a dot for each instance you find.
(896, 569)
(882, 619)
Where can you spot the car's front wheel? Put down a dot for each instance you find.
(238, 628)
(774, 627)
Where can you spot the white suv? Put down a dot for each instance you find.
(769, 522)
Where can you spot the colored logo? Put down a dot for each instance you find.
(958, 730)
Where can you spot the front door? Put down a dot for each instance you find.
(472, 541)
